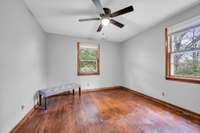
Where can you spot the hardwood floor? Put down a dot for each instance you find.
(110, 111)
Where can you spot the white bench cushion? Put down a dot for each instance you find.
(59, 89)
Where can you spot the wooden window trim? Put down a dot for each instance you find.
(79, 73)
(168, 75)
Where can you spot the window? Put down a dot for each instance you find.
(183, 53)
(88, 59)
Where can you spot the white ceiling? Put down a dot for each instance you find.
(61, 16)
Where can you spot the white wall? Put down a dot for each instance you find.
(28, 64)
(22, 62)
(62, 63)
(144, 66)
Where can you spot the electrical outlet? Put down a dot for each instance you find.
(163, 94)
(22, 107)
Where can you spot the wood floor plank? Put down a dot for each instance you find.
(111, 111)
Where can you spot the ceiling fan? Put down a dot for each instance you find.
(106, 15)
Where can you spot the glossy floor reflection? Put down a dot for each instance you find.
(111, 111)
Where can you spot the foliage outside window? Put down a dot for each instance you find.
(183, 54)
(88, 59)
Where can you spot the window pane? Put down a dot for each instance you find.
(186, 40)
(88, 54)
(88, 66)
(88, 59)
(186, 64)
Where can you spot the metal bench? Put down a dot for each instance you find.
(45, 93)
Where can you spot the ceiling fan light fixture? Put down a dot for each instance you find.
(105, 21)
(106, 16)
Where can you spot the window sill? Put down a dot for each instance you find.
(88, 74)
(184, 79)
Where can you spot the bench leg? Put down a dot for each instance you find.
(45, 103)
(40, 99)
(79, 90)
(73, 91)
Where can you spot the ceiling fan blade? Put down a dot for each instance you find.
(118, 24)
(88, 19)
(100, 28)
(122, 11)
(107, 10)
(98, 5)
